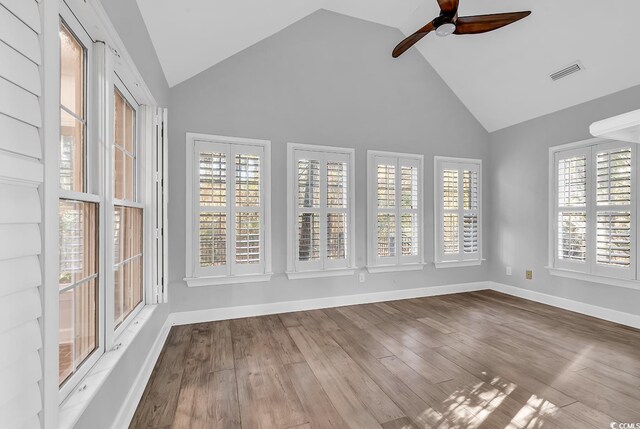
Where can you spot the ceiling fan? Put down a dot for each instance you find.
(448, 23)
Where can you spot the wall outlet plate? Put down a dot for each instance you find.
(361, 277)
(529, 274)
(509, 271)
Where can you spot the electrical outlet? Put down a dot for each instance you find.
(361, 277)
(529, 274)
(509, 271)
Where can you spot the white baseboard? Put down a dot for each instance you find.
(209, 315)
(628, 319)
(125, 415)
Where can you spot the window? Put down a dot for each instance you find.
(594, 209)
(227, 200)
(127, 211)
(320, 215)
(79, 273)
(458, 212)
(395, 212)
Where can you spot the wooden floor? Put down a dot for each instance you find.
(473, 360)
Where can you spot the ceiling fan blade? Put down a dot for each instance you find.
(448, 6)
(483, 23)
(412, 40)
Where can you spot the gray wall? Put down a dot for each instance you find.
(519, 210)
(127, 20)
(330, 80)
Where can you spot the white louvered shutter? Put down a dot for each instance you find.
(160, 250)
(21, 172)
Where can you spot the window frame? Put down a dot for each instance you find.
(377, 264)
(195, 277)
(323, 267)
(590, 271)
(442, 260)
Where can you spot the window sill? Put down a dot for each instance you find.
(79, 399)
(227, 280)
(577, 275)
(295, 275)
(454, 264)
(372, 269)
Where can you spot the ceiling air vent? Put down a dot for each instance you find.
(566, 71)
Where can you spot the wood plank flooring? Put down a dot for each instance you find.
(472, 360)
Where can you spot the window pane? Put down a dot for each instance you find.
(409, 181)
(470, 190)
(72, 78)
(129, 178)
(248, 237)
(572, 236)
(247, 180)
(337, 236)
(213, 239)
(118, 178)
(409, 231)
(128, 248)
(386, 235)
(213, 179)
(450, 190)
(572, 182)
(78, 252)
(470, 233)
(308, 183)
(308, 237)
(450, 233)
(614, 177)
(66, 347)
(71, 153)
(337, 184)
(386, 186)
(124, 154)
(129, 128)
(614, 239)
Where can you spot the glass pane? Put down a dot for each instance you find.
(124, 154)
(614, 177)
(72, 78)
(450, 189)
(65, 336)
(78, 252)
(71, 153)
(386, 235)
(213, 239)
(450, 233)
(470, 190)
(247, 238)
(128, 248)
(614, 239)
(86, 319)
(119, 166)
(572, 236)
(308, 237)
(129, 129)
(213, 179)
(337, 184)
(118, 280)
(386, 186)
(337, 236)
(409, 183)
(409, 231)
(470, 233)
(572, 182)
(247, 180)
(131, 286)
(129, 176)
(308, 183)
(118, 119)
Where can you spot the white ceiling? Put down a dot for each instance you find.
(502, 77)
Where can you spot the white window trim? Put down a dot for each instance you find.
(372, 265)
(191, 278)
(80, 389)
(438, 208)
(552, 221)
(292, 273)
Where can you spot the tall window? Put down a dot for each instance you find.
(78, 214)
(127, 212)
(321, 197)
(228, 185)
(395, 211)
(595, 209)
(458, 204)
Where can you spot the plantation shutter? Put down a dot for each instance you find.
(21, 172)
(160, 251)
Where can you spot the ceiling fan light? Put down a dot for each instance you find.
(445, 29)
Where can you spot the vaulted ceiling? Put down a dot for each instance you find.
(502, 77)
